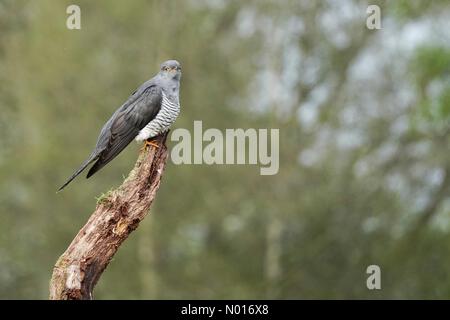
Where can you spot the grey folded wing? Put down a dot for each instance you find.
(125, 124)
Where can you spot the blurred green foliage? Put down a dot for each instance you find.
(364, 168)
(431, 66)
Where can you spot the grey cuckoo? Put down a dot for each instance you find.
(148, 112)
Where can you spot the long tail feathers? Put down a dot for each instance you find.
(88, 161)
(97, 166)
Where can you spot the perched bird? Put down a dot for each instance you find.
(148, 112)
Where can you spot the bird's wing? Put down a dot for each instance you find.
(125, 124)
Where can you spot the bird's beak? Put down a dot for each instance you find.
(173, 70)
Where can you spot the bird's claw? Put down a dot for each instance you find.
(148, 143)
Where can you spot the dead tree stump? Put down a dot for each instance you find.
(116, 215)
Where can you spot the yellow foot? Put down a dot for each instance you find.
(148, 143)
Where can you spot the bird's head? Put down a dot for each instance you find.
(171, 69)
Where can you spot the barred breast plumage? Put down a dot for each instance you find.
(161, 123)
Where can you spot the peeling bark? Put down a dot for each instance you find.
(116, 215)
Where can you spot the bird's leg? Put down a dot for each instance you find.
(148, 143)
(151, 143)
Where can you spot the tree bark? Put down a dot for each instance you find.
(116, 215)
